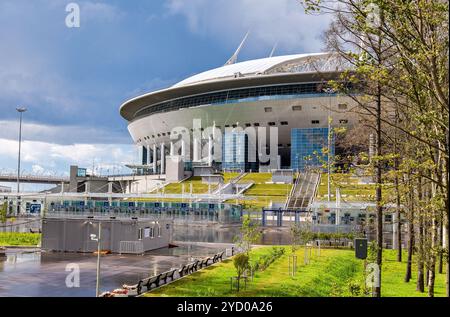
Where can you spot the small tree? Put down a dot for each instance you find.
(296, 238)
(241, 263)
(249, 234)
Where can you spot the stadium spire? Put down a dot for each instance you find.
(273, 49)
(234, 57)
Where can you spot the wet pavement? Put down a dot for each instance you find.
(43, 274)
(30, 272)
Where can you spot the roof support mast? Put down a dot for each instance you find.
(273, 50)
(233, 58)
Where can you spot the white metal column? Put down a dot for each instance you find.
(172, 149)
(155, 158)
(163, 158)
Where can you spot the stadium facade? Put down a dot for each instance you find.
(242, 105)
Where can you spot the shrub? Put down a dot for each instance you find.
(241, 263)
(354, 288)
(267, 259)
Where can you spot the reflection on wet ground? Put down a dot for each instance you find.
(36, 273)
(274, 235)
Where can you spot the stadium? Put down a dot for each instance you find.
(287, 94)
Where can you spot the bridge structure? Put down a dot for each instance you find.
(33, 179)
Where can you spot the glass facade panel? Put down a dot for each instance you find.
(289, 91)
(235, 152)
(307, 147)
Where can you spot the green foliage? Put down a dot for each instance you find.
(295, 233)
(355, 289)
(3, 212)
(372, 252)
(265, 260)
(334, 272)
(241, 263)
(19, 239)
(249, 234)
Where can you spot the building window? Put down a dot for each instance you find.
(268, 109)
(342, 106)
(151, 232)
(297, 108)
(284, 123)
(271, 124)
(315, 122)
(227, 125)
(256, 124)
(140, 234)
(248, 124)
(234, 125)
(343, 121)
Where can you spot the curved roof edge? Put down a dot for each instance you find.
(255, 66)
(257, 72)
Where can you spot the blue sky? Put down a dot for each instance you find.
(73, 80)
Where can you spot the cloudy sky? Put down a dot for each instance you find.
(73, 80)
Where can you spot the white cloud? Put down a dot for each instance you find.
(269, 21)
(99, 11)
(67, 134)
(43, 157)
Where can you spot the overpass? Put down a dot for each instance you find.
(33, 179)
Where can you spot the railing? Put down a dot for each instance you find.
(29, 177)
(131, 247)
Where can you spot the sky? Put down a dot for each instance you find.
(73, 80)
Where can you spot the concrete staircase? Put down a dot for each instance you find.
(303, 191)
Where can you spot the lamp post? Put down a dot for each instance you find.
(329, 91)
(99, 241)
(20, 110)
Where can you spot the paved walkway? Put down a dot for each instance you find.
(35, 273)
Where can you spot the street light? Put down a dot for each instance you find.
(99, 241)
(329, 91)
(20, 110)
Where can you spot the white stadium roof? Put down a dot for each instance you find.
(252, 67)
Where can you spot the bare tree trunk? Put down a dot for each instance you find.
(399, 226)
(410, 235)
(441, 246)
(420, 239)
(378, 197)
(397, 193)
(434, 247)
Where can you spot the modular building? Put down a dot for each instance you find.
(117, 235)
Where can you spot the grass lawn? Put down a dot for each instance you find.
(266, 193)
(19, 239)
(269, 190)
(197, 187)
(257, 178)
(329, 274)
(228, 176)
(350, 189)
